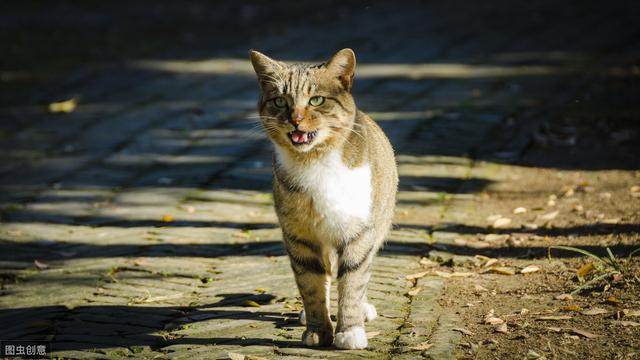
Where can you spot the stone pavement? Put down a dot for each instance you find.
(141, 223)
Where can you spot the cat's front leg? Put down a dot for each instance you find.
(353, 277)
(314, 284)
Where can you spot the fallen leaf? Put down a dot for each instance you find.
(414, 292)
(167, 218)
(584, 270)
(422, 346)
(565, 297)
(490, 262)
(501, 223)
(524, 311)
(461, 274)
(554, 329)
(250, 303)
(372, 334)
(463, 330)
(627, 323)
(529, 269)
(583, 333)
(550, 216)
(532, 355)
(594, 311)
(416, 275)
(572, 307)
(614, 300)
(491, 319)
(631, 313)
(502, 270)
(479, 288)
(443, 274)
(40, 265)
(554, 317)
(635, 189)
(519, 210)
(502, 328)
(261, 290)
(66, 106)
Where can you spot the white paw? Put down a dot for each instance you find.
(370, 312)
(352, 338)
(303, 317)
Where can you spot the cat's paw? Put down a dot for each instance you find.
(352, 338)
(303, 318)
(317, 337)
(370, 312)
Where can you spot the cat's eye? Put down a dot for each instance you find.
(280, 102)
(316, 100)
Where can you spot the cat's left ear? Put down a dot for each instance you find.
(343, 66)
(264, 66)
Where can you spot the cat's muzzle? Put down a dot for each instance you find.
(299, 137)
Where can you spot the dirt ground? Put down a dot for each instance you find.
(592, 210)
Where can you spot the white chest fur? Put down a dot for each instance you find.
(341, 196)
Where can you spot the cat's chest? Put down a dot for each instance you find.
(340, 195)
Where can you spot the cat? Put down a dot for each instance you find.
(334, 184)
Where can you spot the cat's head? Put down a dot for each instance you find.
(304, 107)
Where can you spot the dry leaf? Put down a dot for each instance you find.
(261, 290)
(422, 346)
(491, 319)
(631, 313)
(502, 328)
(614, 300)
(462, 274)
(627, 323)
(372, 334)
(565, 297)
(594, 311)
(529, 269)
(66, 106)
(586, 334)
(572, 307)
(250, 303)
(635, 189)
(502, 270)
(519, 210)
(554, 329)
(416, 275)
(501, 223)
(555, 317)
(524, 311)
(584, 270)
(40, 265)
(550, 216)
(490, 262)
(479, 288)
(167, 218)
(414, 292)
(463, 330)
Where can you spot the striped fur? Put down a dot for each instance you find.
(334, 193)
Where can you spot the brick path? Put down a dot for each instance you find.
(149, 211)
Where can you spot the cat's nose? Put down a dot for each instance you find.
(296, 118)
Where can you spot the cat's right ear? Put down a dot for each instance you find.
(264, 66)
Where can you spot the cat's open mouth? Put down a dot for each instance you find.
(301, 137)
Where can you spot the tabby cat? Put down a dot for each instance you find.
(335, 183)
